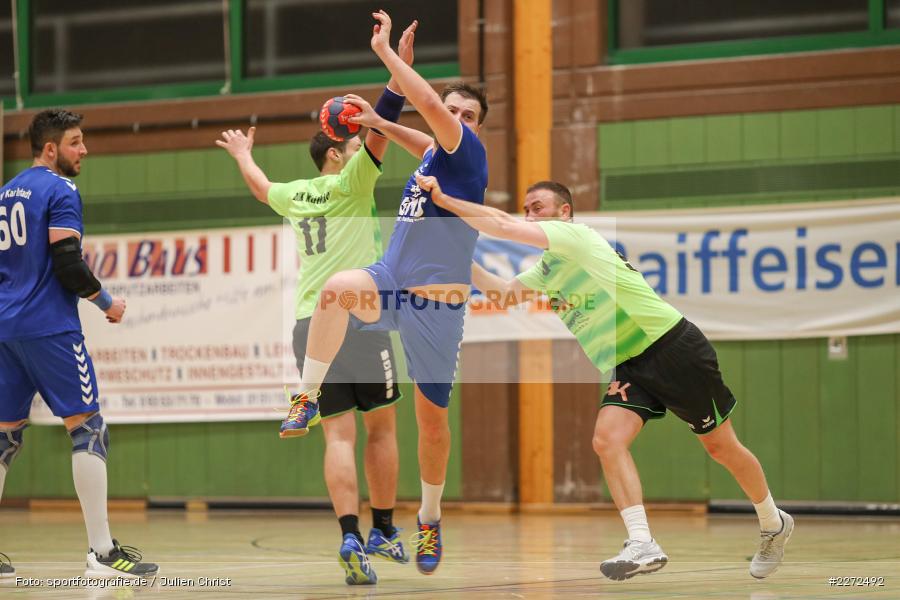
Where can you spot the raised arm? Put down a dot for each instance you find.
(240, 147)
(377, 141)
(412, 140)
(486, 219)
(446, 128)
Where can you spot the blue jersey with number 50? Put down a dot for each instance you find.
(33, 303)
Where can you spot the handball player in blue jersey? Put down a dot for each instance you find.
(421, 285)
(42, 349)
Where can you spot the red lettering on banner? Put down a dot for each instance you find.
(250, 253)
(226, 252)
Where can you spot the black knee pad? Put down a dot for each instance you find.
(10, 444)
(92, 437)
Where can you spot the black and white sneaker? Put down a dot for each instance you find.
(6, 569)
(123, 561)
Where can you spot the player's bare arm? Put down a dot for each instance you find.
(445, 126)
(486, 219)
(74, 274)
(500, 291)
(377, 144)
(240, 147)
(412, 140)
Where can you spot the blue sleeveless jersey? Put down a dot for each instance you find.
(32, 301)
(424, 249)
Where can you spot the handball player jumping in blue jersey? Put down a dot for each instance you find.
(421, 286)
(42, 349)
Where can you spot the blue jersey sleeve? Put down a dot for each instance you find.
(65, 208)
(469, 156)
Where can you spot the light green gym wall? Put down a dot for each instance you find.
(191, 189)
(823, 429)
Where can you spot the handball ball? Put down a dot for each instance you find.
(333, 119)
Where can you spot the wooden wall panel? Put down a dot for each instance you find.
(750, 84)
(195, 123)
(576, 401)
(489, 422)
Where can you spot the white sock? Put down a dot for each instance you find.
(769, 518)
(314, 373)
(636, 523)
(430, 511)
(2, 478)
(89, 474)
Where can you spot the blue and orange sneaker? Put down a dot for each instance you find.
(390, 548)
(428, 545)
(353, 558)
(302, 415)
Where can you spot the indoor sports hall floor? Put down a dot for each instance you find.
(291, 554)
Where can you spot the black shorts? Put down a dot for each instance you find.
(679, 372)
(363, 375)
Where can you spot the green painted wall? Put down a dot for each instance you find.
(751, 158)
(823, 429)
(203, 188)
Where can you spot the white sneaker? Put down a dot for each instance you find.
(771, 548)
(635, 558)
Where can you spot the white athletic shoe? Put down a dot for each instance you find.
(634, 559)
(771, 548)
(123, 561)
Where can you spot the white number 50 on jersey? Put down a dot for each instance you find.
(13, 230)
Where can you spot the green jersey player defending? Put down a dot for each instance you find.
(660, 360)
(333, 217)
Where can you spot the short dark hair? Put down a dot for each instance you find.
(562, 193)
(319, 146)
(468, 91)
(50, 126)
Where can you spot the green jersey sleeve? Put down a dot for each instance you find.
(359, 175)
(281, 195)
(533, 278)
(565, 238)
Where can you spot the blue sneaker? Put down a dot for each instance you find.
(352, 557)
(302, 415)
(428, 545)
(390, 548)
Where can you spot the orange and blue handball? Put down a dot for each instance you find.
(335, 119)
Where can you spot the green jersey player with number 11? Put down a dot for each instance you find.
(333, 217)
(659, 361)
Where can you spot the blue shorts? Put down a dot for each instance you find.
(430, 331)
(58, 366)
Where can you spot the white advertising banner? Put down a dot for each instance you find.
(761, 272)
(207, 333)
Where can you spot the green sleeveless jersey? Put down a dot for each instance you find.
(609, 307)
(335, 222)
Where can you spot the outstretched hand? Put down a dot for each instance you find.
(407, 40)
(381, 32)
(236, 143)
